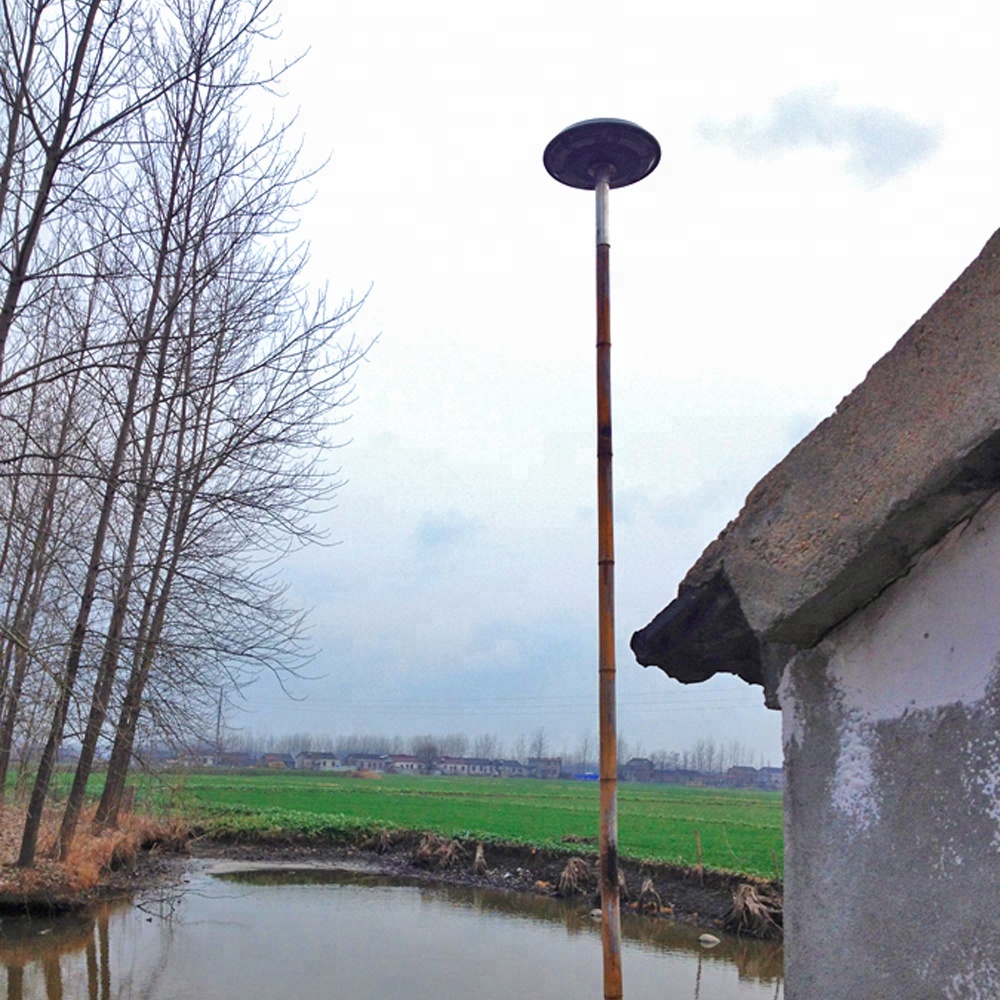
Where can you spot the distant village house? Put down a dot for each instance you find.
(544, 767)
(311, 760)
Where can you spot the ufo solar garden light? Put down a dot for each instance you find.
(598, 155)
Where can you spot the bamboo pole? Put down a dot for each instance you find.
(588, 155)
(610, 902)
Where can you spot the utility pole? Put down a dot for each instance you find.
(218, 727)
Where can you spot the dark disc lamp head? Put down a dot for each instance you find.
(576, 154)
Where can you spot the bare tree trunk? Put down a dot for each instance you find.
(39, 563)
(67, 681)
(155, 605)
(128, 720)
(113, 637)
(46, 766)
(181, 216)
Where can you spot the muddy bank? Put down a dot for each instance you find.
(656, 890)
(49, 890)
(100, 865)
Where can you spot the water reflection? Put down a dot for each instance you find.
(755, 961)
(33, 945)
(320, 933)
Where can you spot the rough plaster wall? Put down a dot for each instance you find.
(892, 753)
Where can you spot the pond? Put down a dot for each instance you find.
(319, 933)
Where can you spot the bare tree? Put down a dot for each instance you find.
(454, 744)
(39, 565)
(585, 749)
(214, 380)
(426, 750)
(178, 160)
(488, 746)
(71, 76)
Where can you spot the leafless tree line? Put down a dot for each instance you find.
(168, 384)
(708, 756)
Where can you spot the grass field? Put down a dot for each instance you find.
(739, 830)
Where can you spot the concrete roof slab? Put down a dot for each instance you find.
(910, 453)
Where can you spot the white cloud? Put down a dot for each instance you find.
(880, 143)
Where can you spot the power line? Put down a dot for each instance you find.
(523, 708)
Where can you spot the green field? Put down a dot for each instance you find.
(740, 830)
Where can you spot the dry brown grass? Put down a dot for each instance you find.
(91, 856)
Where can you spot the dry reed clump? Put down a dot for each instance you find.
(365, 775)
(380, 841)
(424, 853)
(92, 855)
(575, 877)
(756, 911)
(649, 898)
(479, 862)
(449, 852)
(441, 852)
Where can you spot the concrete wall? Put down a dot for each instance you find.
(892, 798)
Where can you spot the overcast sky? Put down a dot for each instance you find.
(827, 171)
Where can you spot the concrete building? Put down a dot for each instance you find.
(860, 586)
(278, 761)
(742, 776)
(318, 760)
(544, 767)
(451, 765)
(405, 763)
(636, 769)
(379, 762)
(772, 778)
(510, 768)
(480, 767)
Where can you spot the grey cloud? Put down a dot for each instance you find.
(881, 143)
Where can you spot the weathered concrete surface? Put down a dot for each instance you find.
(892, 788)
(914, 450)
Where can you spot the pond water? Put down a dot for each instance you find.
(311, 933)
